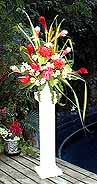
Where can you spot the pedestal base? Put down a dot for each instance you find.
(48, 172)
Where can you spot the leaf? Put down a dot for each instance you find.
(77, 102)
(24, 54)
(51, 82)
(50, 33)
(23, 86)
(23, 49)
(36, 39)
(85, 101)
(42, 60)
(26, 35)
(56, 35)
(57, 87)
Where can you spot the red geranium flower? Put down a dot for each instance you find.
(47, 73)
(45, 52)
(58, 63)
(30, 49)
(82, 71)
(15, 128)
(36, 67)
(43, 22)
(24, 79)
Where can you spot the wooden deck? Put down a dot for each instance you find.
(20, 170)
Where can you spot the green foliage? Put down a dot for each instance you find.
(31, 121)
(26, 148)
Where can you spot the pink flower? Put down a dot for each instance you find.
(82, 71)
(3, 111)
(37, 30)
(47, 73)
(43, 22)
(45, 52)
(24, 79)
(30, 49)
(66, 51)
(58, 63)
(36, 67)
(63, 33)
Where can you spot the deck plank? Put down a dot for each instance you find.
(4, 178)
(24, 171)
(71, 175)
(20, 170)
(30, 164)
(68, 178)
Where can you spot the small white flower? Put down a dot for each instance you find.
(48, 44)
(25, 67)
(49, 65)
(55, 56)
(57, 72)
(73, 108)
(3, 132)
(43, 67)
(43, 80)
(54, 74)
(37, 73)
(35, 57)
(32, 79)
(64, 74)
(16, 138)
(31, 72)
(37, 83)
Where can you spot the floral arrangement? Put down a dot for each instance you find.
(46, 62)
(13, 132)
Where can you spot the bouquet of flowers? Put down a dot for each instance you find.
(47, 62)
(13, 132)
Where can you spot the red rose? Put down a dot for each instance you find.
(30, 49)
(58, 63)
(43, 22)
(82, 71)
(36, 67)
(24, 79)
(47, 73)
(45, 52)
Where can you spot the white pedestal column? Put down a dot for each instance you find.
(47, 166)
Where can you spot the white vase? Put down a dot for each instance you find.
(11, 147)
(47, 167)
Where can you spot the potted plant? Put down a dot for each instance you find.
(11, 137)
